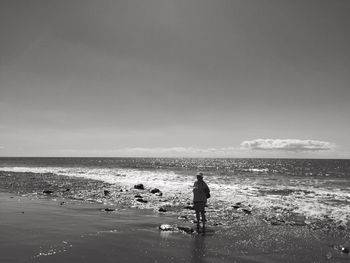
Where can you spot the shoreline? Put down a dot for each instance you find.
(81, 231)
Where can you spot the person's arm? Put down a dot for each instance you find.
(206, 189)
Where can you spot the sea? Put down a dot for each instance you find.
(314, 189)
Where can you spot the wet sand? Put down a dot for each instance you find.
(37, 227)
(45, 231)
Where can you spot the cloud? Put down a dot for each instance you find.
(291, 145)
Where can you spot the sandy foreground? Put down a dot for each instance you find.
(64, 226)
(45, 230)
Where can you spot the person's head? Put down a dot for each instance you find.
(200, 176)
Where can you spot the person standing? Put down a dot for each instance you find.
(201, 193)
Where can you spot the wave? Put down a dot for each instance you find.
(312, 199)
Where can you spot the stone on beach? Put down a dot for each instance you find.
(345, 250)
(166, 227)
(175, 228)
(141, 200)
(155, 190)
(162, 209)
(186, 229)
(247, 211)
(109, 209)
(342, 249)
(139, 186)
(47, 192)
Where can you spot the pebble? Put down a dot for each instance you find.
(155, 190)
(141, 200)
(139, 186)
(109, 209)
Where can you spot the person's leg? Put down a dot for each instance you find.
(203, 219)
(198, 218)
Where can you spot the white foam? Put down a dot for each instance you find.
(310, 198)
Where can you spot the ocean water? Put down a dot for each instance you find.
(313, 189)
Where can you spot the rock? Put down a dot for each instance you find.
(344, 250)
(329, 256)
(141, 200)
(183, 217)
(236, 206)
(138, 196)
(190, 207)
(62, 203)
(247, 211)
(109, 209)
(155, 190)
(159, 194)
(275, 222)
(47, 192)
(341, 248)
(166, 227)
(186, 229)
(162, 209)
(139, 186)
(106, 192)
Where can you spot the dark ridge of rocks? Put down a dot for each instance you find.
(27, 182)
(139, 186)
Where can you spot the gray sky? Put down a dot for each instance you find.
(175, 78)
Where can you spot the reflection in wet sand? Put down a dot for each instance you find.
(199, 251)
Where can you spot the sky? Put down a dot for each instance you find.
(181, 78)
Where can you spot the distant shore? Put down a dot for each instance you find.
(58, 227)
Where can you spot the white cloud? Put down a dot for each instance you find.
(291, 145)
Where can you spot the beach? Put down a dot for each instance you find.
(53, 218)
